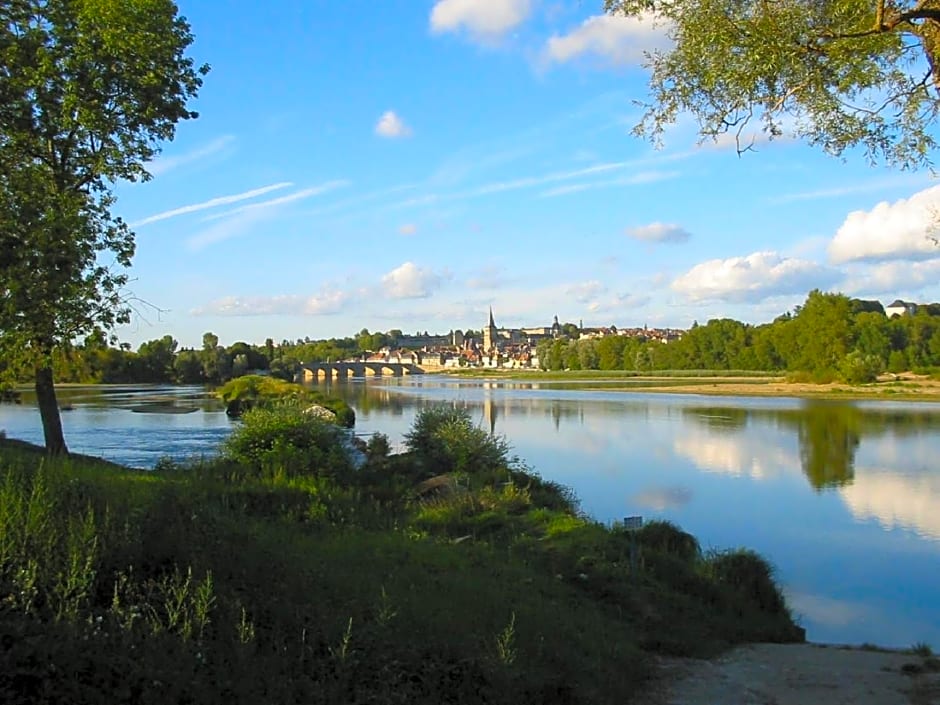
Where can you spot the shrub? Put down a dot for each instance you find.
(444, 440)
(751, 575)
(897, 362)
(859, 368)
(668, 538)
(284, 438)
(377, 448)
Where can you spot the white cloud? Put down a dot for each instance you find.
(408, 229)
(392, 126)
(239, 220)
(836, 191)
(752, 278)
(162, 164)
(643, 177)
(624, 304)
(283, 200)
(324, 303)
(659, 232)
(892, 278)
(619, 39)
(483, 19)
(586, 292)
(899, 230)
(212, 203)
(497, 187)
(747, 139)
(511, 185)
(409, 281)
(489, 276)
(225, 230)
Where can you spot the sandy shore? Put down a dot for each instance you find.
(798, 674)
(902, 388)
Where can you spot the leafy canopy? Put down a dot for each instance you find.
(837, 73)
(88, 90)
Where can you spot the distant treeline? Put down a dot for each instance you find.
(830, 336)
(98, 360)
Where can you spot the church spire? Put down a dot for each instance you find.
(492, 323)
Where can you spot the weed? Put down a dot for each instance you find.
(506, 643)
(203, 602)
(342, 650)
(245, 628)
(75, 580)
(385, 612)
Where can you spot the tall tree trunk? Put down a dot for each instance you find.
(49, 410)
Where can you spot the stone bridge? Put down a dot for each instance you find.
(344, 370)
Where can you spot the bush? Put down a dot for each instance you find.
(897, 362)
(752, 576)
(444, 440)
(285, 438)
(859, 368)
(668, 538)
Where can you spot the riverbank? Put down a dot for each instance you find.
(278, 573)
(799, 674)
(890, 387)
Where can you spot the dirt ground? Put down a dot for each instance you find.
(798, 674)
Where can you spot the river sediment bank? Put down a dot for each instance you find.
(799, 674)
(889, 387)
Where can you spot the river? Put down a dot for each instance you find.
(844, 498)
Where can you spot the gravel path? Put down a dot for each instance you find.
(799, 674)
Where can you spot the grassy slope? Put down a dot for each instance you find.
(211, 584)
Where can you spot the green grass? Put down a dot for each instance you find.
(251, 581)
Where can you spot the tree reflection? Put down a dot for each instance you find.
(828, 433)
(829, 437)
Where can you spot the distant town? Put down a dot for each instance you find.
(518, 348)
(494, 346)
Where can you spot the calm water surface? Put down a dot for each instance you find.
(844, 498)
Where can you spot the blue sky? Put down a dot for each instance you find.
(410, 163)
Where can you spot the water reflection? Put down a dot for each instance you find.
(773, 474)
(660, 498)
(910, 501)
(829, 438)
(736, 438)
(843, 497)
(829, 434)
(742, 455)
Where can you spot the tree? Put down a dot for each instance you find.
(841, 73)
(87, 91)
(188, 367)
(824, 331)
(156, 358)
